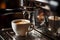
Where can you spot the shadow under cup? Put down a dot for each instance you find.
(20, 26)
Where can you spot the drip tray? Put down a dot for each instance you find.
(8, 34)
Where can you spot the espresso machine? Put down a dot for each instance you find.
(33, 10)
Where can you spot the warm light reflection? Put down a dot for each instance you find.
(3, 5)
(40, 17)
(49, 29)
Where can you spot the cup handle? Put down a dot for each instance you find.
(31, 26)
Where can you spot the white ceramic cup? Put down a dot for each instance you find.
(20, 26)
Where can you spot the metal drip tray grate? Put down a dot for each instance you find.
(8, 34)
